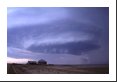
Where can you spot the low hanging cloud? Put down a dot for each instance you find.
(75, 48)
(46, 39)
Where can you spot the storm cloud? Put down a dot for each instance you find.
(61, 30)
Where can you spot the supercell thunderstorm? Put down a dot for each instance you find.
(54, 34)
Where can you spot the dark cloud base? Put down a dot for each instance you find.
(74, 48)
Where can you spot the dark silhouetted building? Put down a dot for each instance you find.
(32, 62)
(42, 62)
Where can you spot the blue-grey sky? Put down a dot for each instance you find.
(60, 35)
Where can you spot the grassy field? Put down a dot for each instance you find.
(56, 69)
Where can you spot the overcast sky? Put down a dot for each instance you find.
(60, 35)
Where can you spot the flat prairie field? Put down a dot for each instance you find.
(57, 69)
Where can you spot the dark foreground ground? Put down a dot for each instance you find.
(57, 69)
